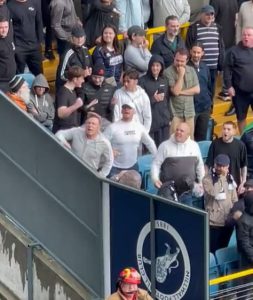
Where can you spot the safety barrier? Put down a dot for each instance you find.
(153, 31)
(92, 226)
(233, 286)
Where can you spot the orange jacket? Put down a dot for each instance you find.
(16, 99)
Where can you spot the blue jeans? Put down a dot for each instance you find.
(186, 198)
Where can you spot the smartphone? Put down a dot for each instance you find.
(161, 90)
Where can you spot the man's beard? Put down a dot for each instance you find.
(25, 95)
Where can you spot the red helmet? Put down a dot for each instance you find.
(129, 275)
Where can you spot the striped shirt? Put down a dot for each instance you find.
(209, 37)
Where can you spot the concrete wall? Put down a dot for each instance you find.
(50, 281)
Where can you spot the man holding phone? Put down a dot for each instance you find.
(155, 85)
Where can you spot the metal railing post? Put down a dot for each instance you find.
(30, 248)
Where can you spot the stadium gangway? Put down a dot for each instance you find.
(236, 290)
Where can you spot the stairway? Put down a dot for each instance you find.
(220, 107)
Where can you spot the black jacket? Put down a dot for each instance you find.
(191, 38)
(247, 139)
(100, 15)
(160, 110)
(75, 56)
(244, 230)
(162, 46)
(7, 62)
(238, 70)
(225, 13)
(104, 96)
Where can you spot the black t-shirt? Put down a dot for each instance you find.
(66, 97)
(27, 24)
(236, 151)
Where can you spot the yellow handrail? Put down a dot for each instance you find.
(152, 31)
(230, 277)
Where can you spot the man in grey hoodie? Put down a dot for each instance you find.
(41, 104)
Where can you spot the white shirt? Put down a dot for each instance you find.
(125, 138)
(171, 148)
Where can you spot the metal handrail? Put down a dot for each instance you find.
(152, 31)
(230, 277)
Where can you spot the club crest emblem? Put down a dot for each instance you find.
(172, 264)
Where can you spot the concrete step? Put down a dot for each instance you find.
(220, 119)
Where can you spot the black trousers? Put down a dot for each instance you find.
(47, 23)
(160, 135)
(31, 58)
(201, 125)
(219, 237)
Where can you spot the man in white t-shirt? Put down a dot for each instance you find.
(125, 136)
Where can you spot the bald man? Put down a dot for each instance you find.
(179, 159)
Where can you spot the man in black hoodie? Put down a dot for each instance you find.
(156, 87)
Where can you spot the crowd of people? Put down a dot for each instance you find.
(129, 98)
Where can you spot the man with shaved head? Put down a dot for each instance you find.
(238, 76)
(179, 159)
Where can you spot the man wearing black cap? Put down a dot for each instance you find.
(77, 55)
(137, 55)
(220, 195)
(98, 95)
(209, 34)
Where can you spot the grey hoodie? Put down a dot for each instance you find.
(42, 108)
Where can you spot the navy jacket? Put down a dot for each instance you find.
(203, 100)
(112, 61)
